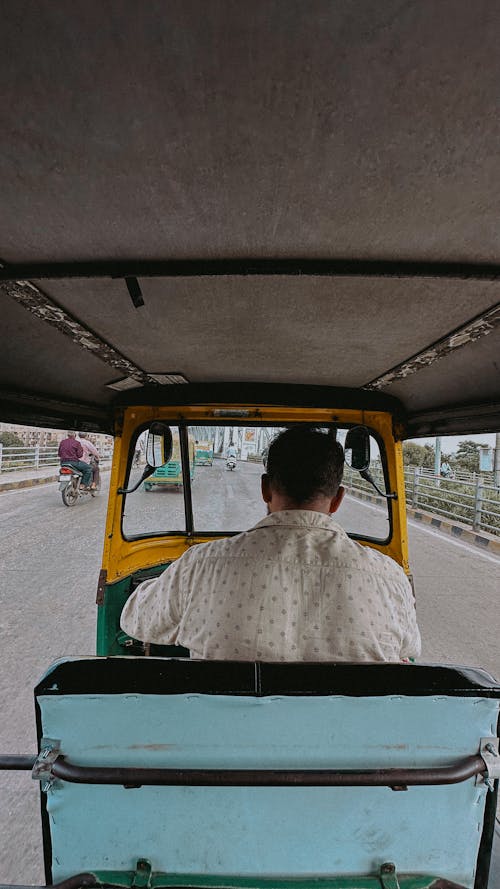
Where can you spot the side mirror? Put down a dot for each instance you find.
(357, 448)
(159, 445)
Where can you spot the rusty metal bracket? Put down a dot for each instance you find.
(490, 753)
(42, 769)
(388, 876)
(142, 877)
(101, 586)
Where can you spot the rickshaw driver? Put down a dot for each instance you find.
(293, 588)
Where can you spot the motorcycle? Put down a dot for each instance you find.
(231, 463)
(70, 483)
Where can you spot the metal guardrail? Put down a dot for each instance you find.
(474, 502)
(35, 457)
(458, 475)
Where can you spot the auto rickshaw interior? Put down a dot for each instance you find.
(287, 211)
(151, 522)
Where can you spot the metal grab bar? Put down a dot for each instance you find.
(16, 763)
(395, 778)
(136, 777)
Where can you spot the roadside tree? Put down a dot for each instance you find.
(467, 456)
(10, 440)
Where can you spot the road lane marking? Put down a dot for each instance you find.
(470, 548)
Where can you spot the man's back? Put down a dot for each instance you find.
(88, 450)
(295, 587)
(70, 449)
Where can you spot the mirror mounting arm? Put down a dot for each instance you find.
(366, 475)
(158, 452)
(148, 470)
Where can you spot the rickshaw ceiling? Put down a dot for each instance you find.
(276, 193)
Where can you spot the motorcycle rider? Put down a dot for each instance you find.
(445, 469)
(70, 452)
(90, 456)
(231, 455)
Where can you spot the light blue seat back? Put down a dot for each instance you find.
(265, 831)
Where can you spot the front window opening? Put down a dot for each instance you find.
(362, 498)
(228, 499)
(157, 507)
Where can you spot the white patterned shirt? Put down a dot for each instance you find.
(293, 588)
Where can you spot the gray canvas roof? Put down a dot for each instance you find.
(296, 192)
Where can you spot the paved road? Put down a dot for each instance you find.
(225, 500)
(49, 563)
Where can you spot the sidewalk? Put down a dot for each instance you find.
(28, 478)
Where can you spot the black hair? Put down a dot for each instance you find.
(304, 462)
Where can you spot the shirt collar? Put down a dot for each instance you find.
(298, 518)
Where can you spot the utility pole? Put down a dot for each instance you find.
(437, 457)
(496, 464)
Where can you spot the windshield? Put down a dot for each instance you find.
(225, 466)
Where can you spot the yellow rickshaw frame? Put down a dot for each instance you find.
(123, 557)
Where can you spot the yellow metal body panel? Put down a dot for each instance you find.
(122, 557)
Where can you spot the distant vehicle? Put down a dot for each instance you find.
(170, 474)
(204, 453)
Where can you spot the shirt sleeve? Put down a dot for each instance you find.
(154, 610)
(411, 645)
(92, 449)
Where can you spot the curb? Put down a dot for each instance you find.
(27, 483)
(34, 482)
(482, 540)
(457, 530)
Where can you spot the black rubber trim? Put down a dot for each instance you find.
(293, 266)
(253, 395)
(487, 836)
(186, 478)
(122, 675)
(90, 881)
(486, 844)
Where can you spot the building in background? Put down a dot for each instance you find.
(33, 436)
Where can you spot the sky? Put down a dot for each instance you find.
(449, 443)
